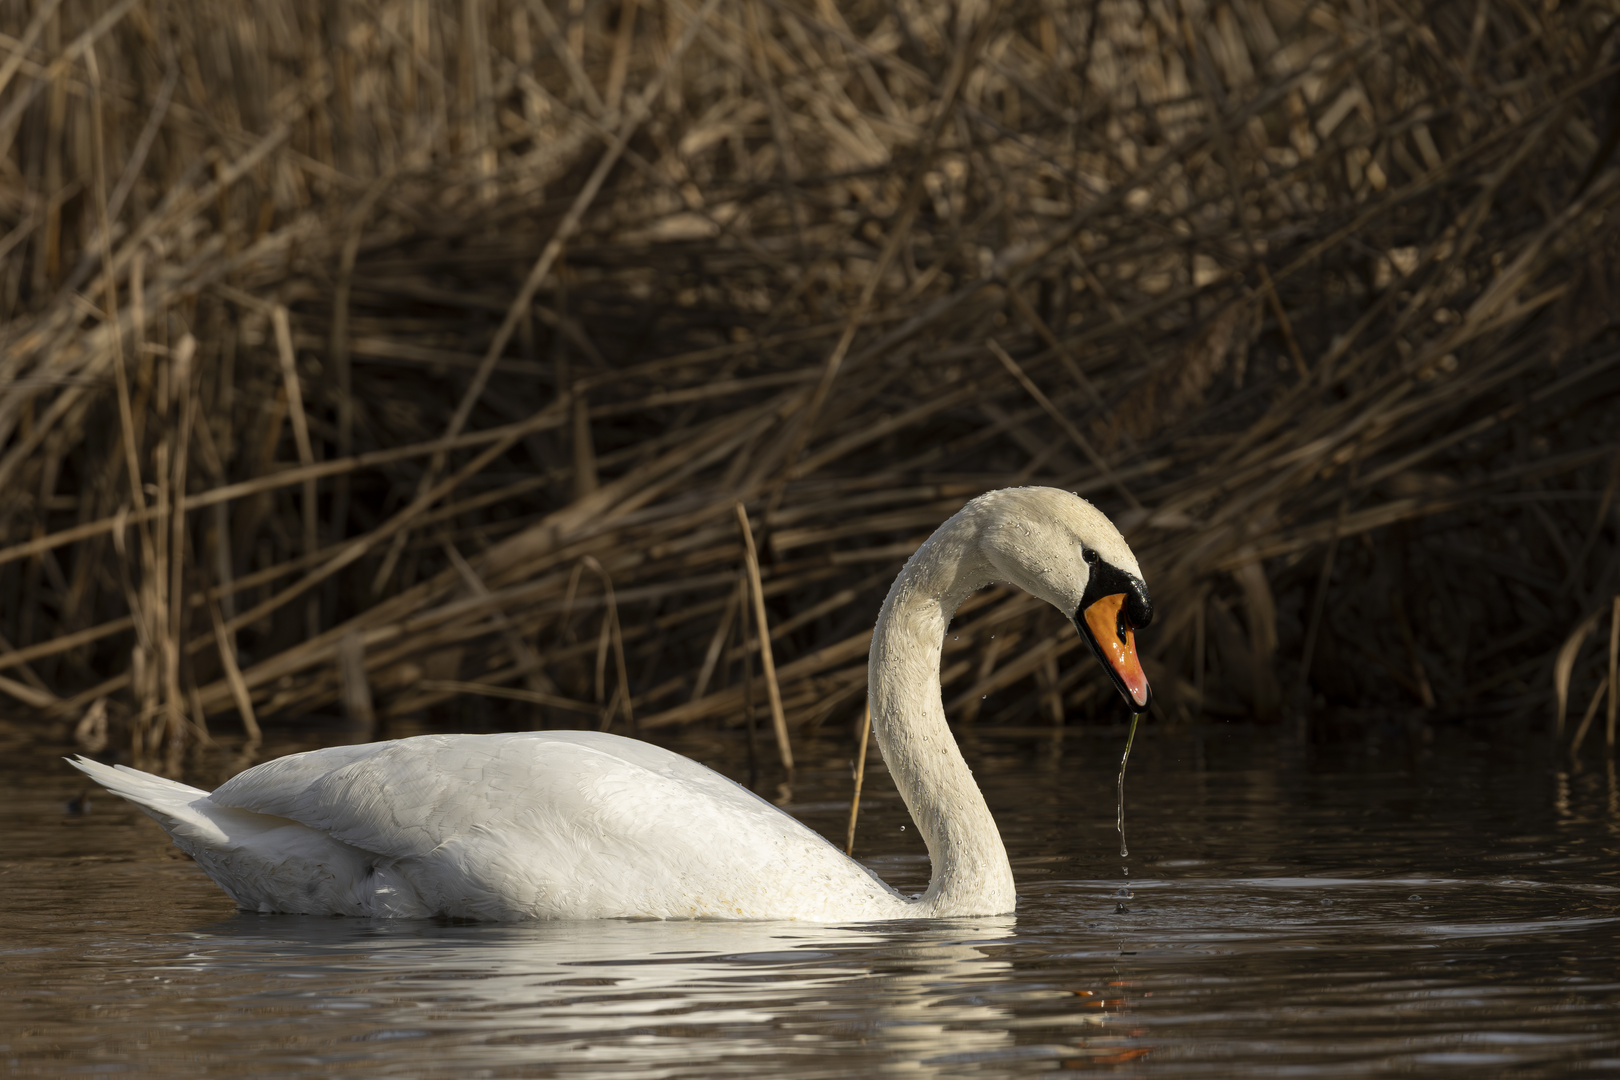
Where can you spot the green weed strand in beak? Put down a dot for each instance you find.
(1119, 822)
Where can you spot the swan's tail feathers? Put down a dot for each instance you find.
(182, 810)
(264, 863)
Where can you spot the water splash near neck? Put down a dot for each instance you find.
(1124, 893)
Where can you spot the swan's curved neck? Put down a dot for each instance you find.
(971, 875)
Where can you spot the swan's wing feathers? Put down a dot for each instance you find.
(609, 753)
(406, 798)
(277, 787)
(574, 824)
(398, 799)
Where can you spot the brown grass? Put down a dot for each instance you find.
(432, 345)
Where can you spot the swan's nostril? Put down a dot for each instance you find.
(1140, 606)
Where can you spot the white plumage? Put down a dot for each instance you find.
(562, 824)
(588, 825)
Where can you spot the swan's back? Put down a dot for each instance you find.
(564, 824)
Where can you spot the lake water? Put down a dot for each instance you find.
(1394, 905)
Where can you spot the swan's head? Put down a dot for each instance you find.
(1060, 548)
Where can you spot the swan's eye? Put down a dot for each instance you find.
(1090, 556)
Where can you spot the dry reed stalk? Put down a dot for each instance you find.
(784, 746)
(1062, 421)
(449, 686)
(611, 632)
(1614, 671)
(306, 454)
(860, 777)
(233, 674)
(717, 641)
(523, 654)
(1316, 309)
(554, 248)
(180, 372)
(1587, 717)
(1564, 664)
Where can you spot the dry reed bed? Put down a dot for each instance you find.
(374, 354)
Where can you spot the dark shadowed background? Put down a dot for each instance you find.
(368, 366)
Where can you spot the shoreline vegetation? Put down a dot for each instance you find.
(380, 359)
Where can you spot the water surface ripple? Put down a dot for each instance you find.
(1445, 910)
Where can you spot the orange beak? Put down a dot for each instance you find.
(1108, 630)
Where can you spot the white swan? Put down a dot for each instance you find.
(586, 825)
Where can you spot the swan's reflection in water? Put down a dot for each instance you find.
(623, 998)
